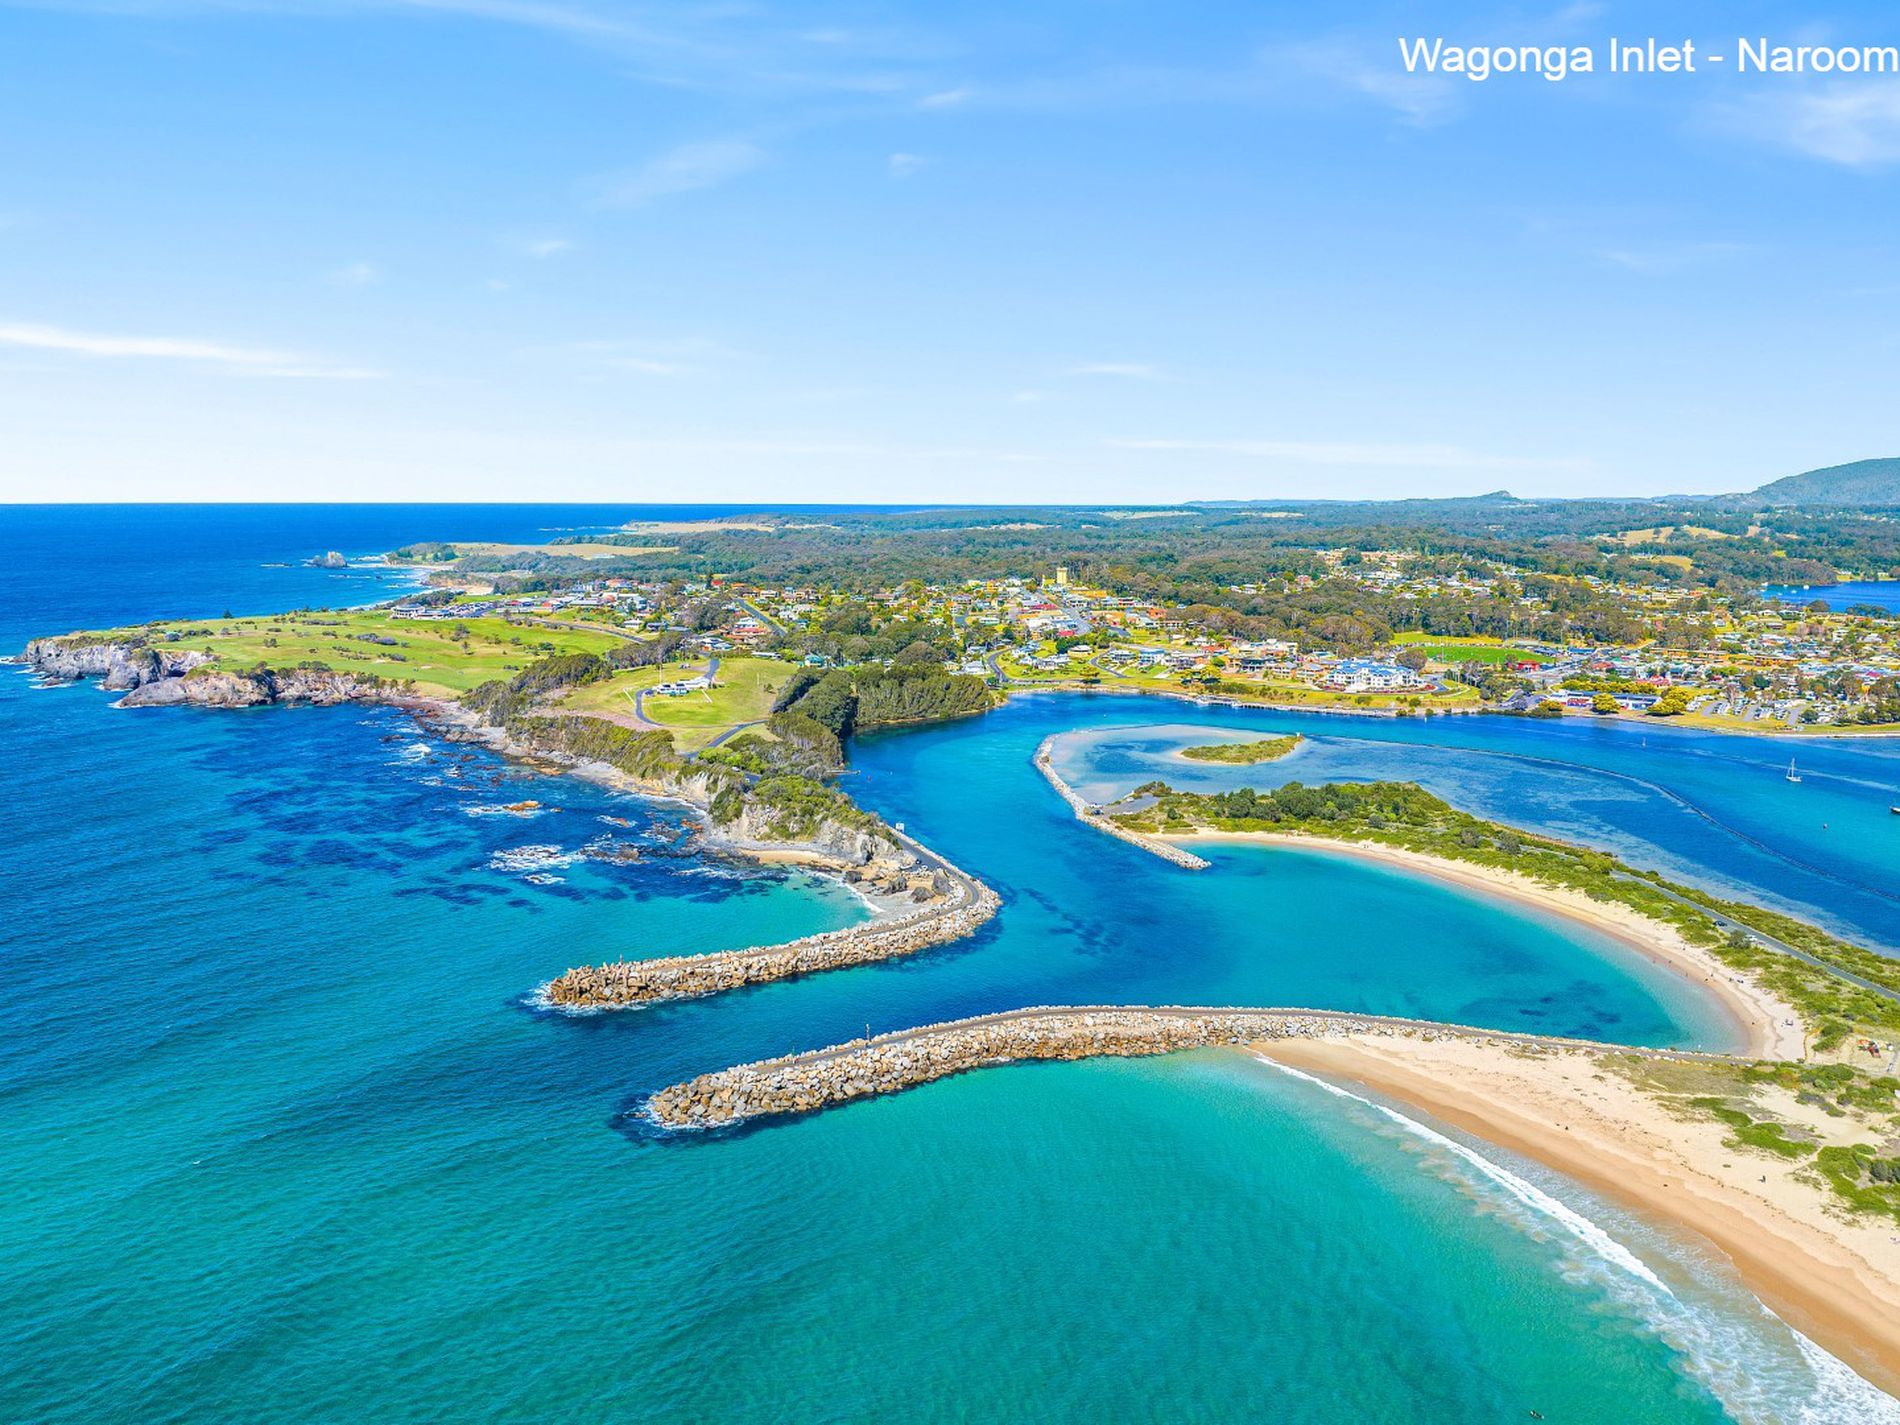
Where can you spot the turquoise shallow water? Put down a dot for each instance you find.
(285, 1143)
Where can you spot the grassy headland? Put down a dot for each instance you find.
(445, 657)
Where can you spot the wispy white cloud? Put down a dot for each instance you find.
(683, 356)
(258, 361)
(1667, 259)
(1855, 123)
(1358, 453)
(355, 274)
(902, 165)
(731, 48)
(681, 170)
(1419, 99)
(1127, 370)
(540, 248)
(1291, 74)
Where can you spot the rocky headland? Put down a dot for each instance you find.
(939, 903)
(152, 675)
(119, 666)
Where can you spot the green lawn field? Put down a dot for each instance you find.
(1468, 650)
(439, 657)
(742, 693)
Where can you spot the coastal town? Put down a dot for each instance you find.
(1763, 663)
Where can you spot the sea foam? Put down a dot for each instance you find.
(1763, 1370)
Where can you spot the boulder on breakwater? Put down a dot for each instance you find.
(802, 1083)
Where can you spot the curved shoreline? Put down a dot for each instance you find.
(1222, 700)
(949, 903)
(1769, 1027)
(1089, 816)
(1833, 1277)
(890, 1063)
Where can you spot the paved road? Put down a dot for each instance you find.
(1762, 938)
(640, 698)
(762, 616)
(732, 731)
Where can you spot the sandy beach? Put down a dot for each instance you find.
(1834, 1277)
(1766, 1027)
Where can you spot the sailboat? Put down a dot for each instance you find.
(1793, 776)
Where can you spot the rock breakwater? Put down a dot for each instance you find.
(890, 1063)
(952, 905)
(1086, 813)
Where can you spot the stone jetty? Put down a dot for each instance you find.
(1090, 815)
(889, 1063)
(952, 904)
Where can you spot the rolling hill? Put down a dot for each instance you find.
(1861, 483)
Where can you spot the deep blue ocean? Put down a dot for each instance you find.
(286, 1140)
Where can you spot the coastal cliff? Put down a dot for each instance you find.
(152, 676)
(818, 824)
(119, 665)
(767, 819)
(215, 688)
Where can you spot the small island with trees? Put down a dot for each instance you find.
(1266, 749)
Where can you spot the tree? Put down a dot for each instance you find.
(1604, 703)
(1673, 703)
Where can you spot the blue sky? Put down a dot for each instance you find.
(543, 249)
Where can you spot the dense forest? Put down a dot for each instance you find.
(1199, 549)
(846, 700)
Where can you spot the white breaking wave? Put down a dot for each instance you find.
(1529, 1194)
(534, 860)
(1763, 1371)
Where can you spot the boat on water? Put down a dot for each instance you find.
(1793, 776)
